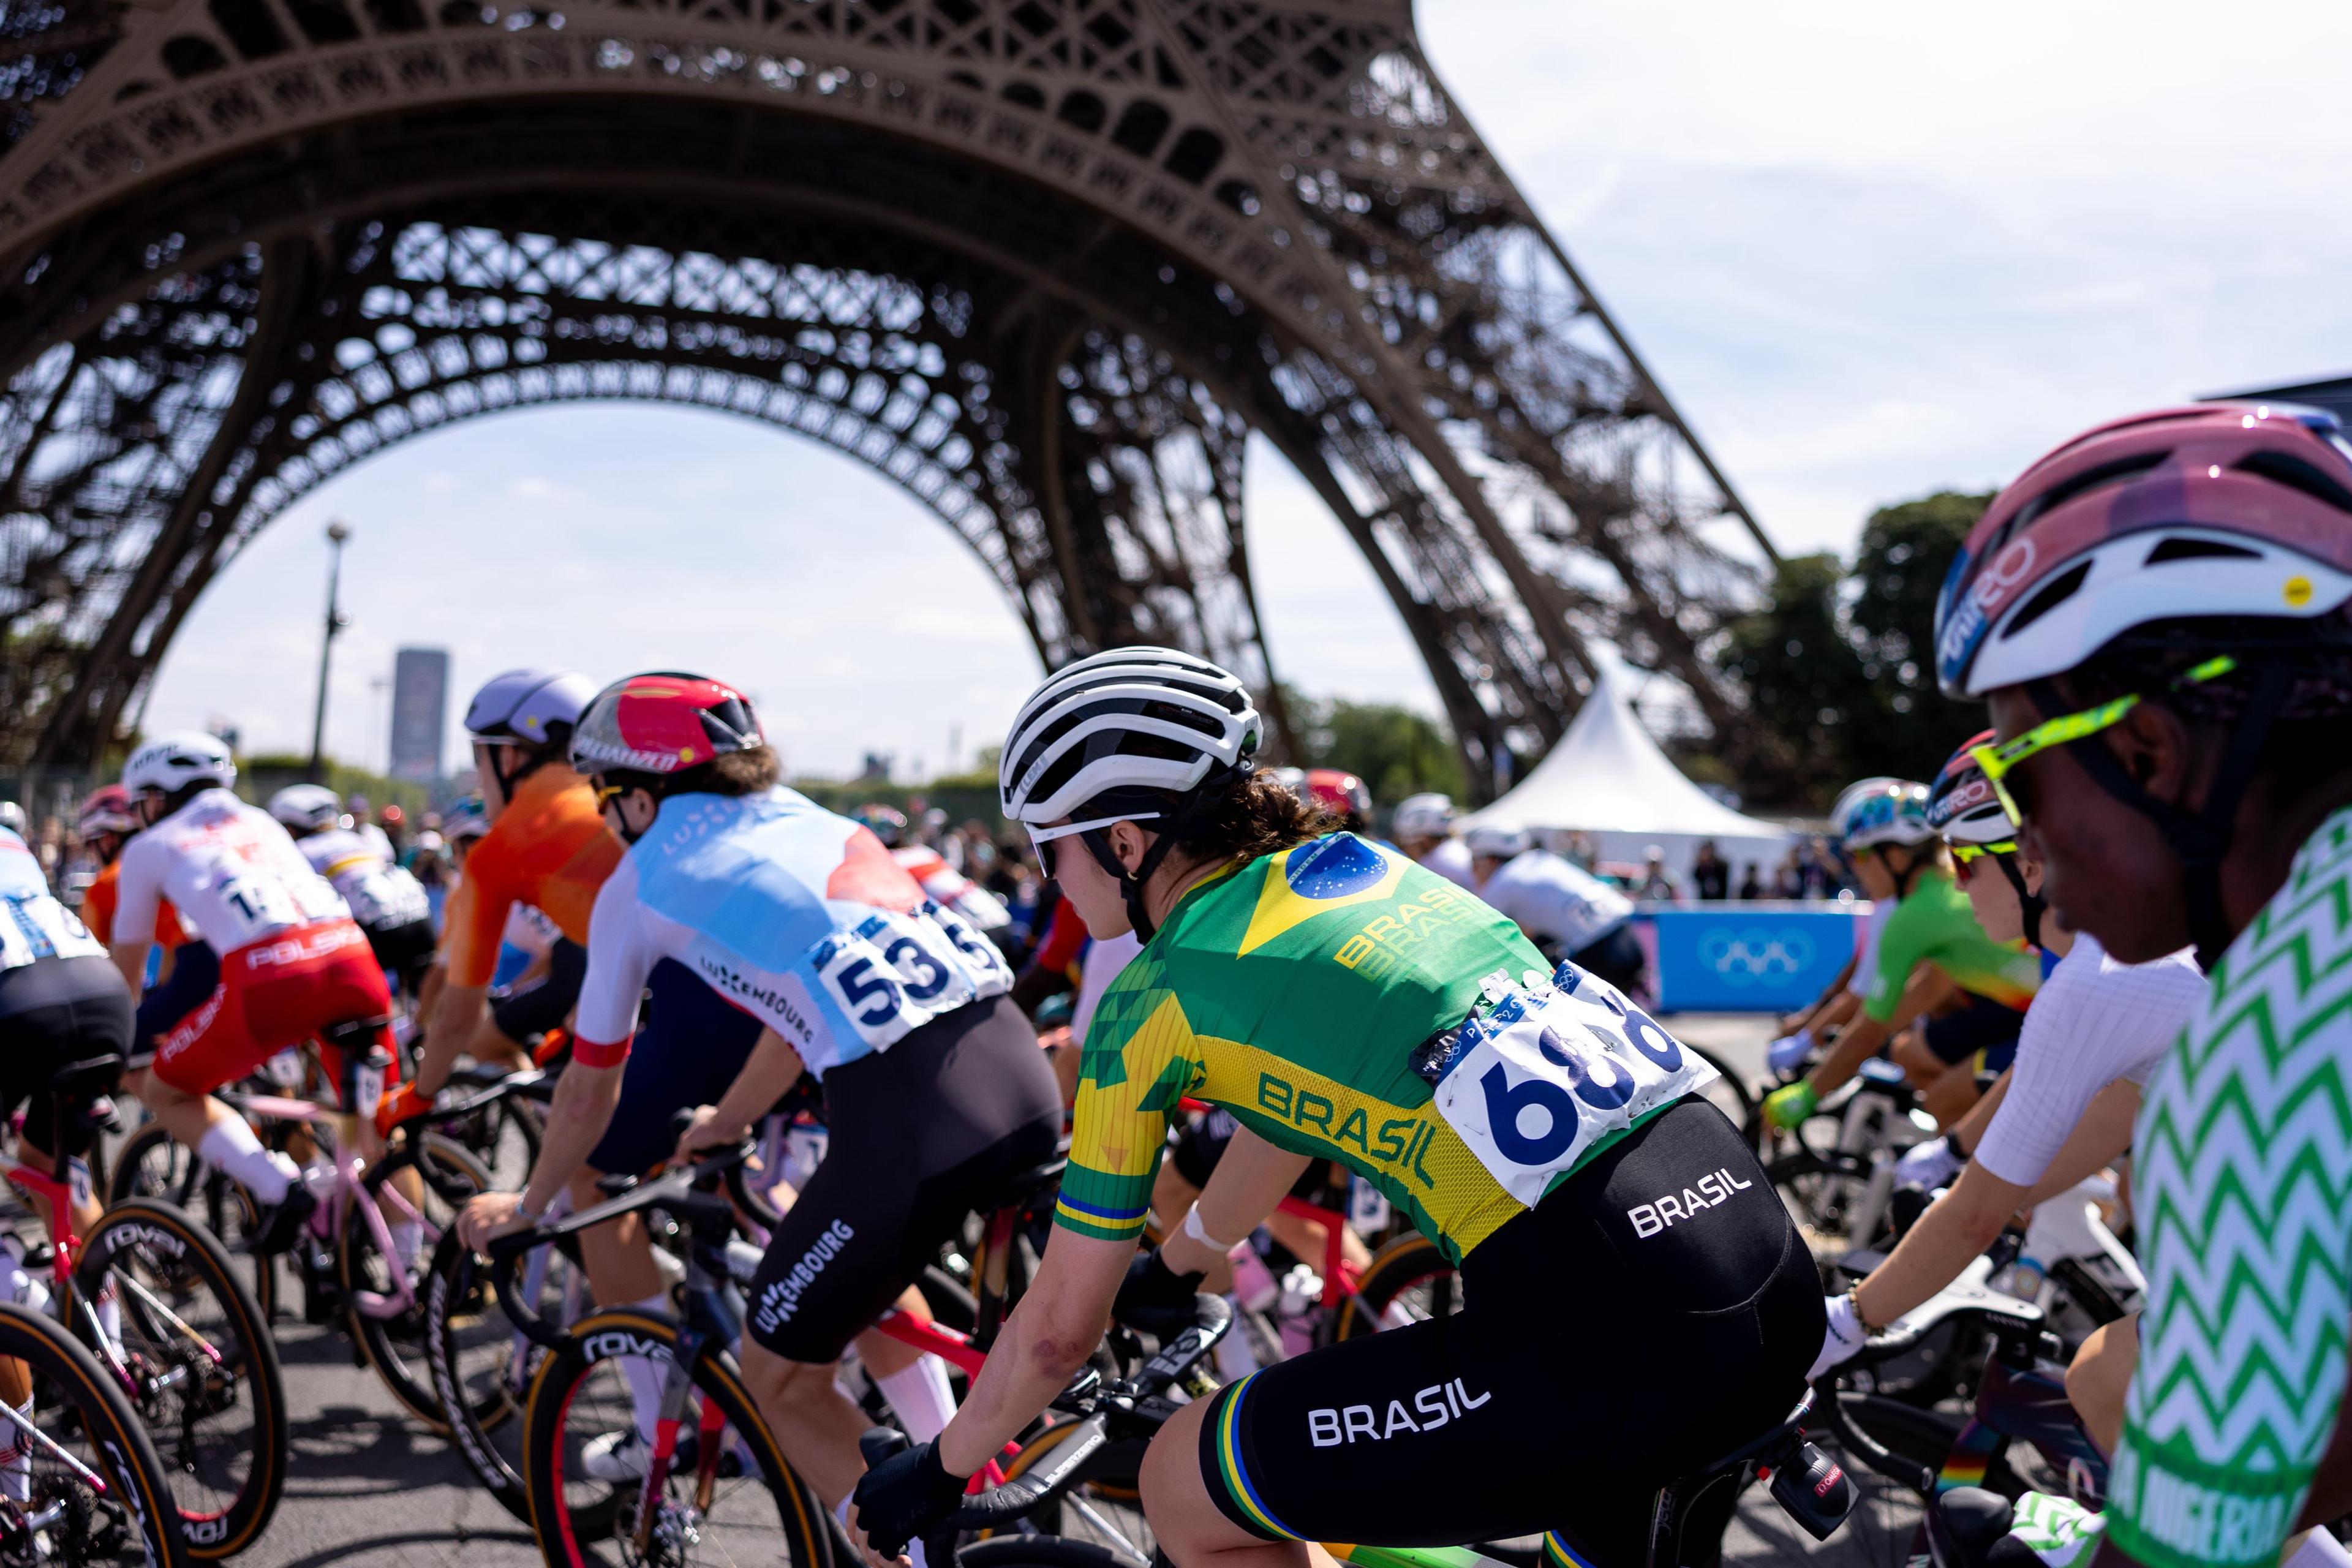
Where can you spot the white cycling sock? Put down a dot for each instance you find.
(408, 1243)
(919, 1396)
(230, 1144)
(16, 1457)
(2320, 1549)
(110, 1313)
(645, 1375)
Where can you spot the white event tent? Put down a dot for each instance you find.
(1608, 779)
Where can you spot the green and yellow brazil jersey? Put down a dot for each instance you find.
(1292, 993)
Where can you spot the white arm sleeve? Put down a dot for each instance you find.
(137, 892)
(619, 960)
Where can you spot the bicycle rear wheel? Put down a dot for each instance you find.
(1408, 1279)
(724, 1502)
(202, 1368)
(83, 1431)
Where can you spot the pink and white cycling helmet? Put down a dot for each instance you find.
(2227, 509)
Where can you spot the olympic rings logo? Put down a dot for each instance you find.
(1745, 957)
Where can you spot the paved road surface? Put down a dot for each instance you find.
(371, 1489)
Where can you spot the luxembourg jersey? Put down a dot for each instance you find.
(230, 868)
(33, 924)
(797, 916)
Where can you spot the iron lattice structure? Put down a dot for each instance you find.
(1044, 263)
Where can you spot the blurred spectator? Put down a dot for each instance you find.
(1657, 884)
(979, 850)
(1821, 878)
(1752, 885)
(1709, 873)
(1578, 851)
(395, 823)
(1790, 882)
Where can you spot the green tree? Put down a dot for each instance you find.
(1906, 550)
(1804, 678)
(1395, 750)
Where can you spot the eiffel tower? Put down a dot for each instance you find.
(1044, 263)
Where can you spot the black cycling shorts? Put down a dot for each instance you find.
(405, 952)
(55, 1012)
(546, 1002)
(923, 1134)
(1982, 1028)
(691, 1046)
(194, 976)
(1653, 1312)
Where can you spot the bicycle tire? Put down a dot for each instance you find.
(603, 1336)
(1743, 1112)
(1803, 1180)
(114, 1442)
(395, 1347)
(457, 1295)
(1403, 1263)
(243, 1357)
(152, 1164)
(1108, 1479)
(1040, 1552)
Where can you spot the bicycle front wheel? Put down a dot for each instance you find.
(482, 1366)
(416, 1193)
(727, 1490)
(163, 1305)
(152, 1164)
(89, 1489)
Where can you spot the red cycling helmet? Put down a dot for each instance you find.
(2225, 508)
(1965, 810)
(1340, 793)
(106, 809)
(662, 723)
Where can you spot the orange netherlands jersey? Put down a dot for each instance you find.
(548, 849)
(97, 909)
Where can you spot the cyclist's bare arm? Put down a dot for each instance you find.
(457, 1013)
(1956, 1229)
(773, 1068)
(1816, 1014)
(2103, 1132)
(1860, 1039)
(131, 958)
(1049, 1337)
(576, 1119)
(1970, 1128)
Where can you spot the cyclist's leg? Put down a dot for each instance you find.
(2098, 1376)
(1604, 1351)
(195, 1024)
(921, 1134)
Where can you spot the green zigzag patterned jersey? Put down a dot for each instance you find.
(2243, 1189)
(1292, 992)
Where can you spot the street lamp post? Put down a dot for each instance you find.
(337, 532)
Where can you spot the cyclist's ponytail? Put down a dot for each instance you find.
(1255, 814)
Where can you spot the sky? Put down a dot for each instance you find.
(1870, 251)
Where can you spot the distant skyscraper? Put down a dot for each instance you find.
(420, 710)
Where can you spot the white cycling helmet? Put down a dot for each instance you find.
(1423, 817)
(531, 707)
(1497, 843)
(12, 817)
(1882, 811)
(465, 821)
(1137, 721)
(169, 763)
(306, 805)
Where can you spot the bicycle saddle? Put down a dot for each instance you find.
(355, 1032)
(96, 1075)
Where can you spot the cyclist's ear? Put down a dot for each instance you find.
(2160, 751)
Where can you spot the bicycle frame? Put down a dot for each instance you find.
(1341, 1277)
(351, 1195)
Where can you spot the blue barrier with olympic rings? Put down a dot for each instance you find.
(1749, 958)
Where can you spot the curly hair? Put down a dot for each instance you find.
(1255, 814)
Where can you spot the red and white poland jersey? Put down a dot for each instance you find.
(231, 869)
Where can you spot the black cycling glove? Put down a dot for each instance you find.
(905, 1498)
(1154, 1298)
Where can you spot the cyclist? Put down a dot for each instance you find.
(389, 904)
(886, 822)
(2095, 1032)
(935, 1090)
(61, 1001)
(280, 961)
(1315, 987)
(1423, 827)
(547, 847)
(1804, 1031)
(106, 822)
(2156, 614)
(1884, 831)
(950, 888)
(1565, 911)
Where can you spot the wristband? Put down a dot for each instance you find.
(1200, 1233)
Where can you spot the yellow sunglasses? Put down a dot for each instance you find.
(1965, 853)
(605, 793)
(1998, 759)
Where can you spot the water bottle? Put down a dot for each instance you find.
(1235, 1358)
(1253, 1286)
(16, 1285)
(1300, 1309)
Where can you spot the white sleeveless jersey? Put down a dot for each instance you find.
(230, 868)
(381, 893)
(33, 924)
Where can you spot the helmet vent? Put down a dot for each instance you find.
(2193, 549)
(2089, 480)
(2056, 592)
(2285, 469)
